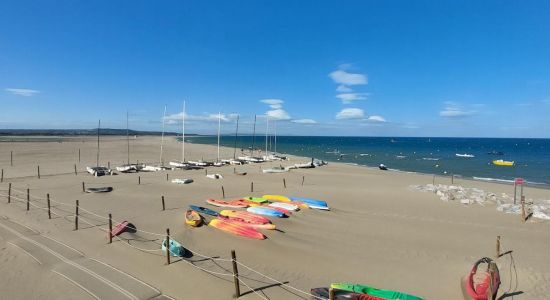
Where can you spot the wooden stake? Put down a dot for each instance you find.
(110, 229)
(523, 209)
(11, 158)
(205, 171)
(28, 199)
(38, 169)
(167, 246)
(492, 269)
(303, 179)
(139, 179)
(223, 193)
(75, 173)
(83, 187)
(284, 183)
(76, 216)
(108, 165)
(163, 206)
(433, 180)
(9, 193)
(252, 186)
(78, 154)
(49, 211)
(2, 177)
(498, 246)
(235, 274)
(330, 294)
(452, 178)
(166, 176)
(234, 170)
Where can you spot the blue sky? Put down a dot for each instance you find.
(390, 68)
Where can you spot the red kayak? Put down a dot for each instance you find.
(230, 204)
(242, 222)
(245, 216)
(237, 229)
(475, 286)
(119, 228)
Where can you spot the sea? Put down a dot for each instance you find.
(426, 155)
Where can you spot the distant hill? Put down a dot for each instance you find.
(78, 132)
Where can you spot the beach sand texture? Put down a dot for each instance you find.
(379, 231)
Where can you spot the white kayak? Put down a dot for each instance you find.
(214, 176)
(283, 205)
(182, 180)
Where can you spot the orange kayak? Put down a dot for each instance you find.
(230, 204)
(238, 221)
(236, 229)
(192, 218)
(245, 216)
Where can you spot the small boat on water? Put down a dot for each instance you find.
(504, 163)
(464, 155)
(383, 167)
(193, 218)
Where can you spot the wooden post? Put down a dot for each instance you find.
(498, 246)
(433, 180)
(492, 268)
(108, 165)
(75, 173)
(452, 178)
(9, 193)
(167, 246)
(28, 199)
(163, 206)
(331, 294)
(303, 179)
(235, 274)
(205, 171)
(2, 177)
(78, 154)
(252, 186)
(11, 158)
(284, 183)
(76, 216)
(223, 193)
(139, 179)
(234, 170)
(166, 176)
(38, 169)
(523, 209)
(49, 211)
(83, 187)
(515, 191)
(110, 229)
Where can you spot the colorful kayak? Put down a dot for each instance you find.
(192, 218)
(245, 216)
(504, 163)
(310, 202)
(324, 293)
(284, 211)
(176, 249)
(221, 203)
(277, 198)
(365, 289)
(119, 228)
(241, 222)
(284, 205)
(475, 285)
(203, 210)
(265, 211)
(256, 199)
(236, 229)
(300, 204)
(245, 202)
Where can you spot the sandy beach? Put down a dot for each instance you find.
(379, 231)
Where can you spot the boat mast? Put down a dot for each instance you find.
(236, 134)
(219, 126)
(97, 157)
(183, 134)
(162, 136)
(275, 129)
(128, 137)
(266, 131)
(253, 137)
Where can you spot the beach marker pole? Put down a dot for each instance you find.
(452, 178)
(166, 176)
(110, 229)
(2, 177)
(163, 206)
(108, 165)
(235, 274)
(78, 154)
(38, 169)
(167, 246)
(515, 191)
(330, 294)
(523, 208)
(28, 199)
(498, 246)
(49, 211)
(76, 216)
(234, 170)
(75, 173)
(83, 187)
(303, 179)
(284, 183)
(9, 193)
(433, 180)
(139, 179)
(252, 186)
(223, 193)
(11, 158)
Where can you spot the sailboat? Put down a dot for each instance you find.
(98, 170)
(128, 167)
(160, 166)
(181, 164)
(234, 160)
(251, 158)
(218, 162)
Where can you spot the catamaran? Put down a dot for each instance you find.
(160, 166)
(251, 158)
(181, 164)
(98, 170)
(128, 167)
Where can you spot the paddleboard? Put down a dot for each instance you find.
(256, 199)
(310, 202)
(236, 229)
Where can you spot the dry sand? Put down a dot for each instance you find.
(379, 231)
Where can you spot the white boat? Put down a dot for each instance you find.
(182, 180)
(465, 155)
(99, 171)
(160, 166)
(234, 162)
(219, 164)
(153, 168)
(127, 168)
(214, 176)
(181, 164)
(275, 170)
(199, 163)
(307, 165)
(251, 159)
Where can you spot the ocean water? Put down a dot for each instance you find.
(423, 155)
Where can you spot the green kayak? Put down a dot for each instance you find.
(365, 289)
(256, 199)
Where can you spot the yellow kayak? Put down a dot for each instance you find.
(276, 198)
(500, 162)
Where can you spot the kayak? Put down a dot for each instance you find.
(365, 289)
(245, 202)
(236, 229)
(284, 211)
(476, 284)
(192, 218)
(245, 216)
(203, 210)
(324, 293)
(284, 205)
(277, 198)
(222, 203)
(256, 199)
(309, 201)
(99, 190)
(119, 228)
(265, 211)
(182, 181)
(176, 249)
(505, 163)
(300, 204)
(241, 222)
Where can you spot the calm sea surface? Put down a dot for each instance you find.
(423, 155)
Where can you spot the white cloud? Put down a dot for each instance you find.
(343, 89)
(455, 110)
(348, 98)
(350, 113)
(177, 118)
(304, 121)
(376, 119)
(344, 78)
(278, 114)
(273, 103)
(22, 92)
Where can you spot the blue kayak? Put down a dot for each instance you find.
(176, 249)
(265, 211)
(203, 210)
(311, 202)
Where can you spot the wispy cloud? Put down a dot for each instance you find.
(343, 89)
(273, 103)
(377, 119)
(177, 118)
(348, 79)
(455, 110)
(350, 113)
(22, 92)
(278, 114)
(348, 98)
(304, 121)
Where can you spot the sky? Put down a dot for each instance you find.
(337, 68)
